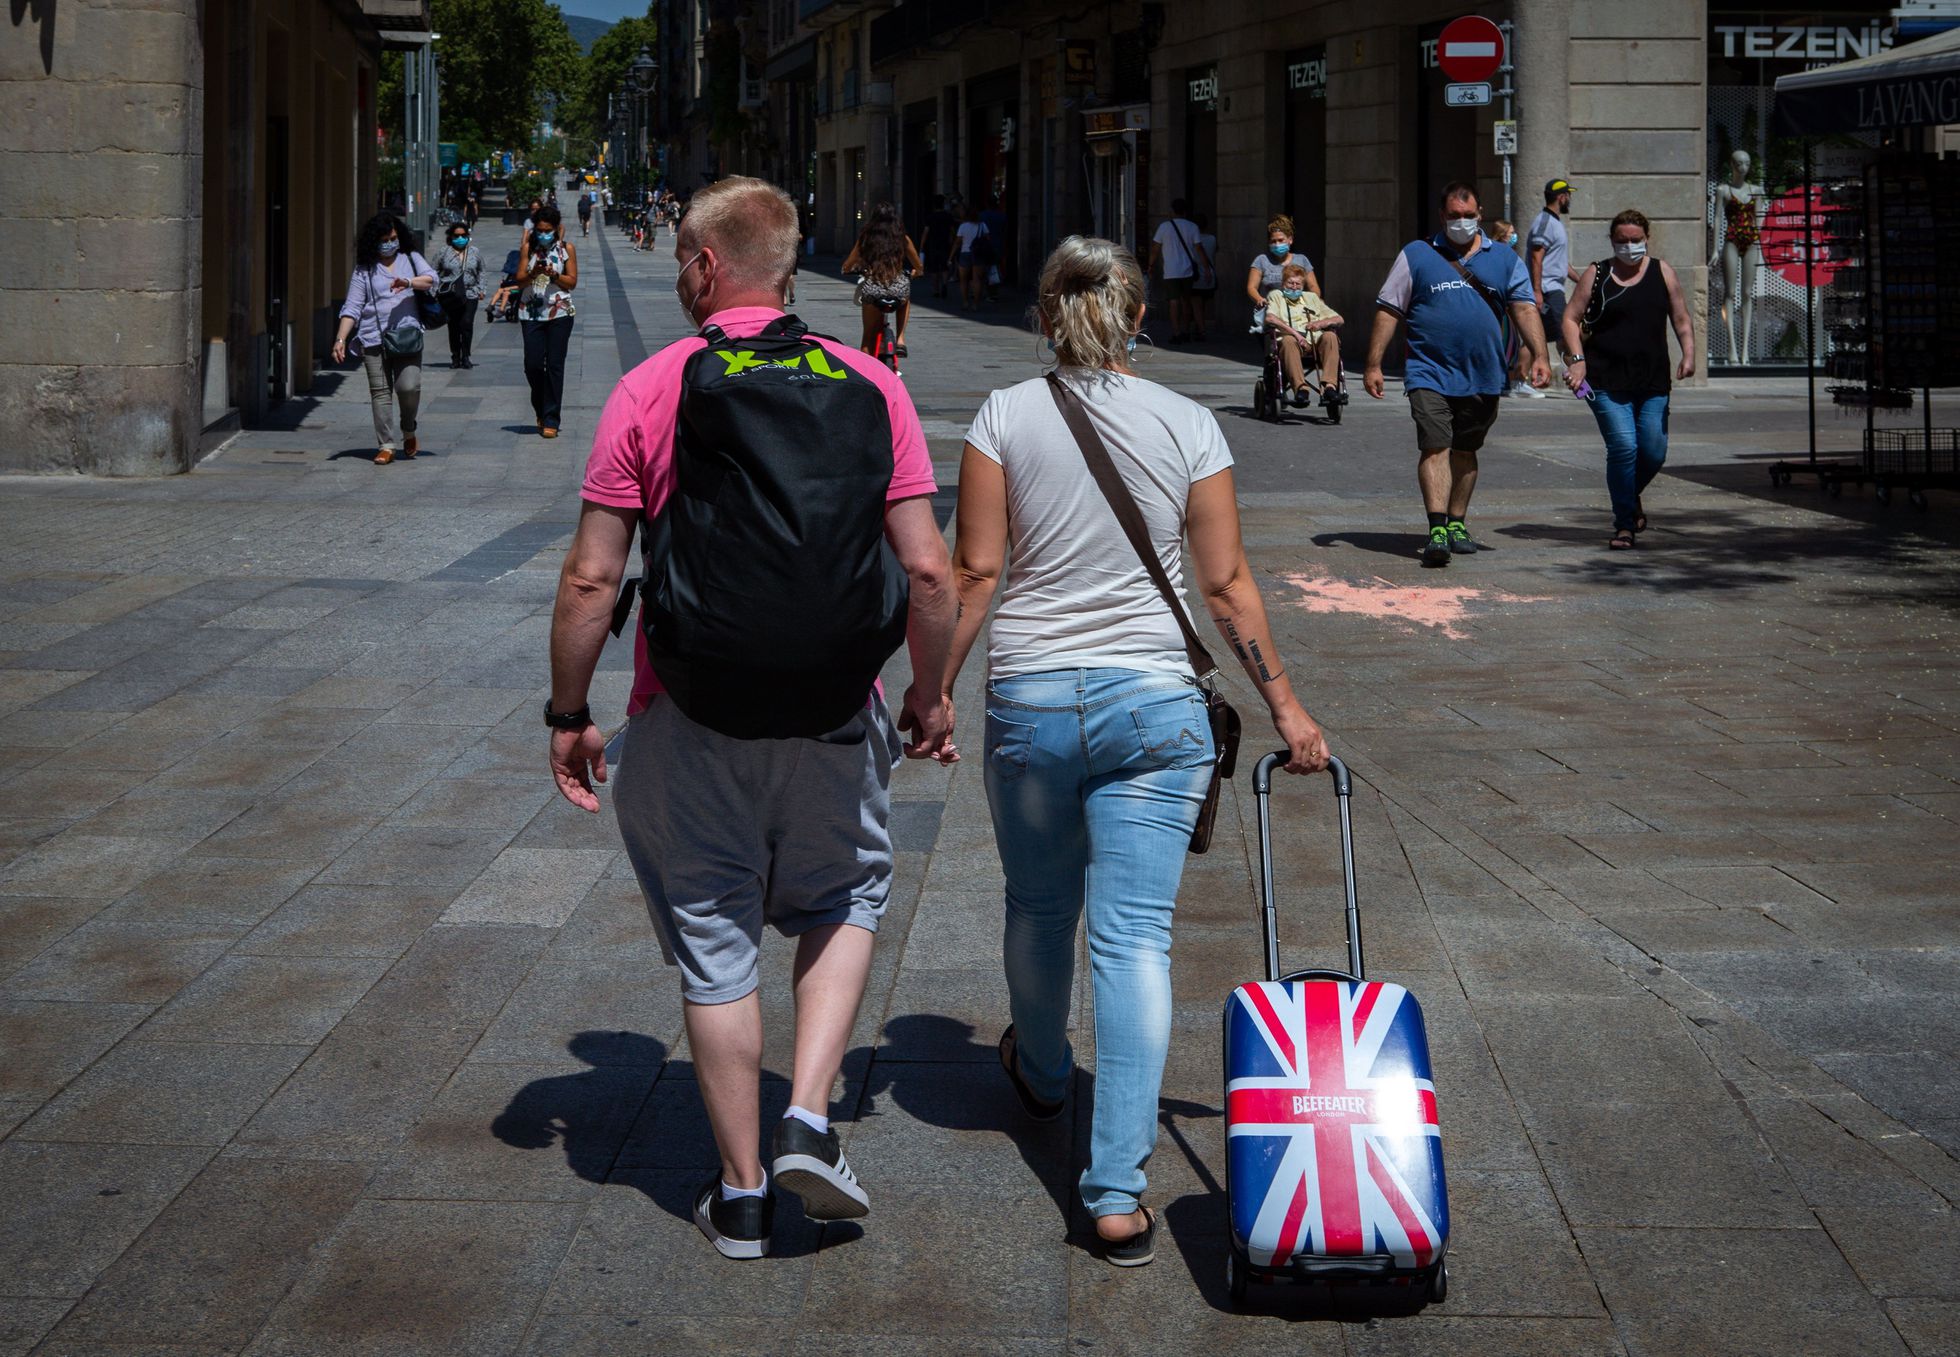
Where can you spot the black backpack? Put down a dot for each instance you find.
(772, 597)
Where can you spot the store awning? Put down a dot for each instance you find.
(1917, 85)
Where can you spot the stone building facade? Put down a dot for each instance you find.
(191, 177)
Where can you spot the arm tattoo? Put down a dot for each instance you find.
(1232, 635)
(1264, 672)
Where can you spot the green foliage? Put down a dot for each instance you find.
(501, 63)
(604, 73)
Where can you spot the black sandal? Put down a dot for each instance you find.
(1037, 1107)
(1639, 516)
(1622, 540)
(1138, 1249)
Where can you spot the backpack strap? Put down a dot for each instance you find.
(787, 326)
(713, 334)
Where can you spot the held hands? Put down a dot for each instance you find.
(578, 759)
(929, 716)
(1303, 737)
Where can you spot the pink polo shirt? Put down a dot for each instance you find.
(632, 462)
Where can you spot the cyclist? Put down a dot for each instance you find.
(887, 261)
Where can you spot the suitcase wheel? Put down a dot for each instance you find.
(1235, 1277)
(1439, 1283)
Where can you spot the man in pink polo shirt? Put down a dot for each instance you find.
(727, 832)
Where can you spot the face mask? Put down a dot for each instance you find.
(1280, 251)
(686, 305)
(388, 248)
(546, 237)
(1292, 294)
(1630, 251)
(1461, 230)
(459, 241)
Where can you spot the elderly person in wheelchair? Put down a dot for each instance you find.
(1299, 322)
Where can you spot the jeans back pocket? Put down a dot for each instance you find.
(1174, 732)
(1010, 744)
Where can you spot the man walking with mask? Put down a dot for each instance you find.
(783, 482)
(1459, 299)
(1548, 257)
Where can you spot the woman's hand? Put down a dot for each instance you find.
(1303, 738)
(1686, 369)
(397, 284)
(340, 350)
(1572, 377)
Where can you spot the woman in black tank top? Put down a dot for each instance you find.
(1622, 367)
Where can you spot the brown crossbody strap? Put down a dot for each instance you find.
(1129, 517)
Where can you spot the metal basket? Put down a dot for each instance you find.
(1912, 452)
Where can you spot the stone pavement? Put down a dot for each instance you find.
(324, 1028)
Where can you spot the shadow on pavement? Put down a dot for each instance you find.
(1401, 545)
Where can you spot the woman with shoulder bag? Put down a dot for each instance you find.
(384, 315)
(1100, 751)
(547, 271)
(1615, 339)
(459, 287)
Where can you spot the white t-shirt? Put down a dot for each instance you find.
(1077, 596)
(968, 232)
(1172, 235)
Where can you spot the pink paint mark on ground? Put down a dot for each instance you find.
(1444, 607)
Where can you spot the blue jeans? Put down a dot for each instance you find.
(1095, 778)
(1635, 430)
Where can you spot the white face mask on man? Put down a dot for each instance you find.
(1630, 251)
(1461, 230)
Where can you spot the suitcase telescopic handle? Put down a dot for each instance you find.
(1262, 788)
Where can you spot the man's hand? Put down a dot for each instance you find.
(578, 759)
(1303, 737)
(929, 715)
(1541, 373)
(1371, 382)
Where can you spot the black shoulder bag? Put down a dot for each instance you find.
(1507, 332)
(1224, 719)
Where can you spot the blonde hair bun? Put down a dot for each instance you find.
(1090, 301)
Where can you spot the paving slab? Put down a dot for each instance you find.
(461, 1277)
(73, 1209)
(165, 1093)
(274, 999)
(356, 1097)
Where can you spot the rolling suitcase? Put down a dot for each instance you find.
(1334, 1160)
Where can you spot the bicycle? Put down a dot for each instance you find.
(884, 345)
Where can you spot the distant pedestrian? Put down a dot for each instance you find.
(380, 312)
(1458, 297)
(472, 209)
(530, 218)
(1627, 308)
(459, 287)
(547, 271)
(1099, 750)
(585, 214)
(1176, 257)
(964, 256)
(1204, 288)
(1503, 233)
(937, 242)
(756, 779)
(993, 246)
(1548, 257)
(1263, 278)
(888, 262)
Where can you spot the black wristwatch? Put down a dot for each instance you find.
(567, 720)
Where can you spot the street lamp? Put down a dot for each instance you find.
(641, 76)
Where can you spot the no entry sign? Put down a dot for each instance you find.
(1470, 49)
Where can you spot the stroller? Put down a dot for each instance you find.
(507, 290)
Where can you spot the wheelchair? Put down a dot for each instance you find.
(1269, 395)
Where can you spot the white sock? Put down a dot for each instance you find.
(729, 1194)
(816, 1123)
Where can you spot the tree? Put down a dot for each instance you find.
(605, 72)
(499, 62)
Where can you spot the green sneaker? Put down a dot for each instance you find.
(1436, 551)
(1461, 542)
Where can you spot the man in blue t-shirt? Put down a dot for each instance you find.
(1448, 293)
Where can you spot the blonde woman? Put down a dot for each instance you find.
(1098, 752)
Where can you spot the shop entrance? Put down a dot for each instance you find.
(993, 159)
(1306, 152)
(1201, 141)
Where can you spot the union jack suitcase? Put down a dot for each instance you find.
(1334, 1160)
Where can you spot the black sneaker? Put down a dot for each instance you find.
(1037, 1107)
(738, 1227)
(1461, 542)
(1436, 551)
(812, 1166)
(1302, 398)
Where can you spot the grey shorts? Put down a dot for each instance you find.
(725, 834)
(1458, 422)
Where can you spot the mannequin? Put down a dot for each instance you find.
(1740, 202)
